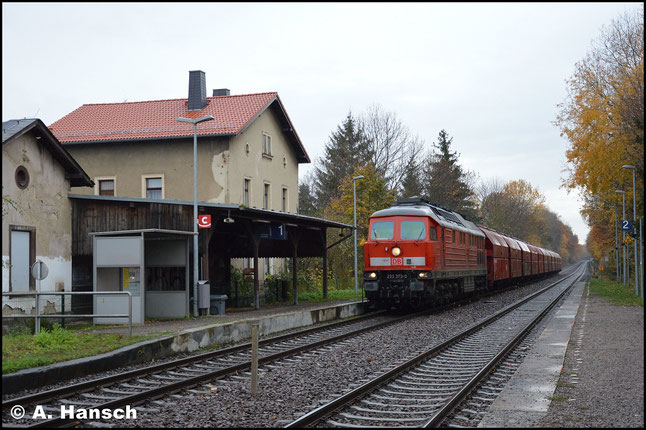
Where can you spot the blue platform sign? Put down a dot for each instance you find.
(278, 232)
(274, 231)
(626, 225)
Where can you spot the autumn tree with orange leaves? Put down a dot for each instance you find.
(603, 119)
(517, 209)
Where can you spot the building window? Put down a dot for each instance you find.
(22, 256)
(265, 197)
(106, 187)
(284, 199)
(266, 144)
(154, 187)
(22, 177)
(267, 267)
(246, 191)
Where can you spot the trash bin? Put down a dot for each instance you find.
(217, 304)
(204, 291)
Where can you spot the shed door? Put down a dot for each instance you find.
(19, 260)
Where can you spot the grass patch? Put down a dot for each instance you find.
(615, 292)
(331, 295)
(558, 398)
(24, 351)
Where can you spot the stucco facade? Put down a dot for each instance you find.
(223, 163)
(280, 170)
(41, 210)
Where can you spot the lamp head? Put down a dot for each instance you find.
(626, 166)
(196, 121)
(228, 219)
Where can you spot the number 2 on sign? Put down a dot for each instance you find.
(397, 261)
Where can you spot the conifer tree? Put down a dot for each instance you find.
(346, 149)
(411, 184)
(445, 183)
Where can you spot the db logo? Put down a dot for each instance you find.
(204, 221)
(397, 261)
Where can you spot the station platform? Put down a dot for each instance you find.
(585, 370)
(189, 335)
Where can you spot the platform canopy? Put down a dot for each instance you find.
(235, 231)
(276, 232)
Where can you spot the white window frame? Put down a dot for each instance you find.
(267, 267)
(104, 178)
(285, 199)
(144, 188)
(266, 195)
(266, 145)
(246, 192)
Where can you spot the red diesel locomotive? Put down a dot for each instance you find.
(418, 254)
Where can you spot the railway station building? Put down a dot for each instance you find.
(37, 173)
(140, 160)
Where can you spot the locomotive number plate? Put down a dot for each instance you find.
(396, 276)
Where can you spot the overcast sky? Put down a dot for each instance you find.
(490, 74)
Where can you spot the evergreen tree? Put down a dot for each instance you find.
(445, 183)
(411, 184)
(346, 149)
(306, 200)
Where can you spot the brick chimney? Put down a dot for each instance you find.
(196, 90)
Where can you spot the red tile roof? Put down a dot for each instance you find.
(110, 122)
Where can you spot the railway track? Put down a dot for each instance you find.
(424, 390)
(136, 386)
(185, 375)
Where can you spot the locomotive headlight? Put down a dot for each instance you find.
(372, 275)
(396, 251)
(422, 274)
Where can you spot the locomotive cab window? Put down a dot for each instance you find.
(432, 233)
(413, 230)
(382, 230)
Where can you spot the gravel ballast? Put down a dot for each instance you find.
(292, 389)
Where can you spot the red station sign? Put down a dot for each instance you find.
(204, 221)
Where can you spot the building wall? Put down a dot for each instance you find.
(43, 205)
(280, 170)
(222, 165)
(130, 162)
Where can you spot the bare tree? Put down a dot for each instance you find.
(391, 144)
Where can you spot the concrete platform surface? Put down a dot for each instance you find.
(586, 370)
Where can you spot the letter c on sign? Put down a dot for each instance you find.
(204, 221)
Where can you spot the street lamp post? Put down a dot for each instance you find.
(195, 122)
(634, 226)
(354, 184)
(623, 233)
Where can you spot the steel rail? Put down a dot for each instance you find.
(136, 398)
(369, 386)
(97, 383)
(445, 409)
